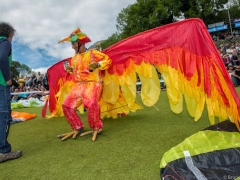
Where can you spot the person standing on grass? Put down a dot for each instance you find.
(86, 66)
(6, 36)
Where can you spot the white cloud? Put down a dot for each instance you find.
(42, 70)
(41, 24)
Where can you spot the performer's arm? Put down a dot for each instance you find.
(102, 61)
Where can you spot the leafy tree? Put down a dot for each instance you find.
(24, 69)
(233, 3)
(234, 9)
(146, 14)
(141, 16)
(114, 38)
(15, 69)
(18, 68)
(207, 10)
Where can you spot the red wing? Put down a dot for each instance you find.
(57, 78)
(192, 68)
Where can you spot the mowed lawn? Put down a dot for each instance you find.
(130, 147)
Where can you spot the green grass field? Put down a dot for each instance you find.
(130, 147)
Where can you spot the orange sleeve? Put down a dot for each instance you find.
(103, 59)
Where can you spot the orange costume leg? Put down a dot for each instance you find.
(91, 94)
(70, 104)
(87, 93)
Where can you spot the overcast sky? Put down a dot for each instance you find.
(41, 24)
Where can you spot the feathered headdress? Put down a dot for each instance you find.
(77, 36)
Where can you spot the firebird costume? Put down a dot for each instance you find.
(185, 55)
(88, 87)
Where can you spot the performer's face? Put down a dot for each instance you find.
(75, 46)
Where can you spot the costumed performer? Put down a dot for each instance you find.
(85, 66)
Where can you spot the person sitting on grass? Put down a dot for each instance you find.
(15, 97)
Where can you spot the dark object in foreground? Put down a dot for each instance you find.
(212, 153)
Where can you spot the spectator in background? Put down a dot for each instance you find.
(237, 46)
(235, 58)
(23, 96)
(21, 81)
(32, 95)
(33, 79)
(230, 69)
(236, 76)
(45, 82)
(15, 96)
(234, 35)
(226, 59)
(28, 81)
(238, 52)
(15, 83)
(221, 36)
(222, 50)
(214, 37)
(39, 78)
(230, 51)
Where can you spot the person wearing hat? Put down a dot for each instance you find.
(230, 70)
(85, 66)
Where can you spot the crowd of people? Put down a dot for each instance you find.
(37, 83)
(230, 53)
(226, 36)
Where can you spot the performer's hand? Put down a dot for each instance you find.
(93, 66)
(69, 68)
(9, 82)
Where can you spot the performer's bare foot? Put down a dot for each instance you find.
(72, 134)
(95, 133)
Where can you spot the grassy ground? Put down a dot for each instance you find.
(130, 147)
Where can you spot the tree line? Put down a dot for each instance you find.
(17, 68)
(147, 14)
